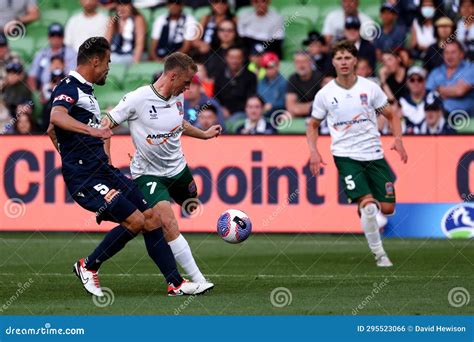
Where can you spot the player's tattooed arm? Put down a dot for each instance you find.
(212, 132)
(316, 161)
(396, 126)
(61, 118)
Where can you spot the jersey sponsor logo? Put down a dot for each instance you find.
(334, 103)
(153, 113)
(64, 97)
(364, 100)
(458, 221)
(158, 139)
(358, 119)
(179, 105)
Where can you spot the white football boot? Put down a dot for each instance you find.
(88, 278)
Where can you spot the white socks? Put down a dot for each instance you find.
(182, 254)
(381, 219)
(371, 229)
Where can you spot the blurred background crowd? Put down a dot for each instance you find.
(260, 62)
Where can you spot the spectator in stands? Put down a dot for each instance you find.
(88, 23)
(207, 117)
(454, 79)
(207, 83)
(316, 47)
(227, 36)
(172, 32)
(434, 55)
(422, 29)
(6, 57)
(407, 11)
(465, 27)
(333, 27)
(234, 84)
(272, 88)
(412, 104)
(302, 85)
(6, 120)
(365, 48)
(24, 123)
(24, 11)
(15, 90)
(255, 122)
(364, 69)
(434, 122)
(57, 71)
(195, 99)
(220, 11)
(262, 29)
(126, 32)
(393, 76)
(392, 35)
(40, 71)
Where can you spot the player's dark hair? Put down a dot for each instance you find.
(92, 47)
(179, 60)
(258, 97)
(345, 45)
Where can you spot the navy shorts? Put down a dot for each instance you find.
(89, 191)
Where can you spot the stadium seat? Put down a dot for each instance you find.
(297, 126)
(117, 74)
(309, 12)
(231, 126)
(287, 68)
(25, 47)
(50, 16)
(295, 33)
(70, 6)
(140, 74)
(201, 12)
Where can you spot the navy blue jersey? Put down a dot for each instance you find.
(77, 95)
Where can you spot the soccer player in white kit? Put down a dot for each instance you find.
(155, 117)
(350, 104)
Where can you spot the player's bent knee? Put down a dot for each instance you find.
(135, 223)
(388, 208)
(152, 220)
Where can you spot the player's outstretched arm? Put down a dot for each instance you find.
(315, 159)
(396, 131)
(61, 118)
(212, 132)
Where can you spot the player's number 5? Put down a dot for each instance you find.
(350, 185)
(153, 187)
(101, 188)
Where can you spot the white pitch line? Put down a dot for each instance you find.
(269, 276)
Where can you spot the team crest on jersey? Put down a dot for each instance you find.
(192, 188)
(364, 101)
(180, 107)
(389, 189)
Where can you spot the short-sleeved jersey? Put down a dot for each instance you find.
(351, 118)
(156, 125)
(77, 95)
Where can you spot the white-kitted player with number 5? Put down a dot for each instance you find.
(155, 117)
(350, 104)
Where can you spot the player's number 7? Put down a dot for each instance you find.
(153, 187)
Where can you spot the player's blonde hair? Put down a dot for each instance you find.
(179, 60)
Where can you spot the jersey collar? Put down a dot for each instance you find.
(79, 77)
(159, 95)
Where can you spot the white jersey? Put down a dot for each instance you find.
(156, 125)
(351, 118)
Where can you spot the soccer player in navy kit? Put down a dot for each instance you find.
(93, 182)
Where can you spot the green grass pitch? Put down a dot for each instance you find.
(307, 274)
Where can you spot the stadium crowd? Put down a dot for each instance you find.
(254, 71)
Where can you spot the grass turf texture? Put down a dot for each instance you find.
(326, 275)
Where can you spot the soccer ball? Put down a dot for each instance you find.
(234, 226)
